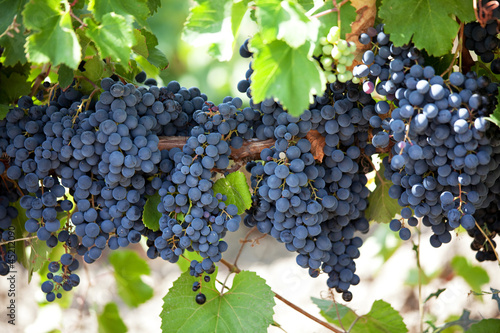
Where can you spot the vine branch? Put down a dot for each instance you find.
(250, 149)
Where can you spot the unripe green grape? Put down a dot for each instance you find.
(342, 78)
(341, 69)
(333, 35)
(352, 47)
(323, 41)
(331, 78)
(327, 49)
(336, 53)
(355, 80)
(326, 62)
(342, 45)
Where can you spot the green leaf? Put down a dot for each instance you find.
(485, 326)
(151, 216)
(153, 6)
(276, 75)
(209, 23)
(109, 320)
(381, 208)
(246, 307)
(475, 276)
(190, 256)
(435, 294)
(347, 14)
(113, 38)
(332, 313)
(382, 318)
(151, 70)
(53, 39)
(14, 47)
(428, 24)
(237, 12)
(4, 109)
(66, 76)
(236, 188)
(155, 56)
(138, 9)
(94, 69)
(140, 47)
(284, 20)
(128, 268)
(9, 11)
(13, 86)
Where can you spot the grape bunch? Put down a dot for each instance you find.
(337, 55)
(442, 161)
(314, 206)
(484, 42)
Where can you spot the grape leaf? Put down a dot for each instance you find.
(14, 47)
(66, 76)
(128, 268)
(151, 216)
(485, 326)
(138, 9)
(155, 56)
(236, 188)
(4, 109)
(9, 11)
(13, 86)
(190, 256)
(246, 307)
(284, 20)
(381, 318)
(347, 14)
(109, 320)
(153, 6)
(381, 208)
(113, 38)
(140, 47)
(475, 276)
(277, 75)
(94, 68)
(428, 24)
(237, 12)
(209, 23)
(329, 312)
(53, 39)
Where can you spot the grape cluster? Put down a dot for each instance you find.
(488, 219)
(442, 160)
(314, 206)
(337, 55)
(105, 156)
(483, 41)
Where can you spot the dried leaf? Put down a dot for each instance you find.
(317, 143)
(367, 11)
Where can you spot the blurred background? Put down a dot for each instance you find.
(387, 266)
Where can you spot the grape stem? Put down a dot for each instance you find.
(234, 269)
(331, 10)
(489, 241)
(40, 77)
(18, 240)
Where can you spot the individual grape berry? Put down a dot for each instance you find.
(200, 298)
